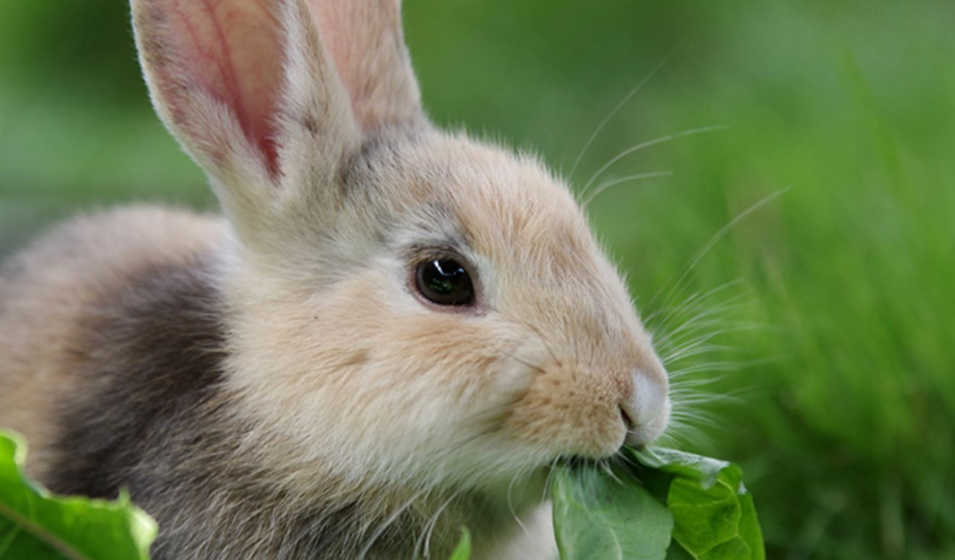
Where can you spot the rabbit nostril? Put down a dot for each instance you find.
(646, 411)
(627, 421)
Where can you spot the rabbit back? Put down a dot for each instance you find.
(53, 297)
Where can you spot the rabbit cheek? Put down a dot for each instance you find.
(362, 374)
(570, 413)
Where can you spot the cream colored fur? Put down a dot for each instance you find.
(343, 371)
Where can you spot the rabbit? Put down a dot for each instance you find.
(390, 332)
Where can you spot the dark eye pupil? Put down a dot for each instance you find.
(445, 282)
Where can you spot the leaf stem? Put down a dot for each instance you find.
(38, 532)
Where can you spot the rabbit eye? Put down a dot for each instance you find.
(444, 282)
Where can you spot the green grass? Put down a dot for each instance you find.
(845, 418)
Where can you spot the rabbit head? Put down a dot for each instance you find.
(404, 303)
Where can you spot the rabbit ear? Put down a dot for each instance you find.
(247, 88)
(365, 40)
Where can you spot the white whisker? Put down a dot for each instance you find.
(428, 530)
(388, 521)
(623, 102)
(626, 179)
(716, 238)
(703, 309)
(694, 301)
(646, 144)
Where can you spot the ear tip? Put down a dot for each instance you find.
(365, 40)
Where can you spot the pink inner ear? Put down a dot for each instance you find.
(231, 50)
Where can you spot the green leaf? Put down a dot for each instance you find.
(714, 516)
(687, 465)
(463, 550)
(607, 515)
(36, 525)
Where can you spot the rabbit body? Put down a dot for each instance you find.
(113, 352)
(277, 383)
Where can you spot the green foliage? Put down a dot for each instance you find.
(463, 550)
(616, 513)
(607, 515)
(671, 505)
(39, 526)
(713, 513)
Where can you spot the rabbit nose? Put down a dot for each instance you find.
(647, 411)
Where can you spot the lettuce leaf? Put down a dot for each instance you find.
(463, 550)
(37, 525)
(714, 515)
(604, 514)
(667, 505)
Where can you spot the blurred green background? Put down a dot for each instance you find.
(813, 342)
